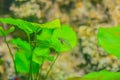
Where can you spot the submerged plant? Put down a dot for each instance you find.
(32, 53)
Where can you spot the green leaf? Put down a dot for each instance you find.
(10, 30)
(2, 32)
(75, 78)
(21, 44)
(109, 39)
(49, 44)
(40, 54)
(22, 61)
(30, 27)
(1, 61)
(65, 37)
(24, 25)
(22, 56)
(45, 34)
(6, 32)
(49, 25)
(44, 40)
(102, 75)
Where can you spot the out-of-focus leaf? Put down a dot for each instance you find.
(10, 30)
(49, 25)
(40, 54)
(22, 61)
(6, 32)
(102, 75)
(2, 32)
(109, 39)
(74, 78)
(1, 61)
(66, 37)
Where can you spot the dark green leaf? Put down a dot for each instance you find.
(75, 78)
(1, 61)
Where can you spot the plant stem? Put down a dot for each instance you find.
(51, 66)
(10, 51)
(40, 70)
(30, 69)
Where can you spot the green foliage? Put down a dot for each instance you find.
(2, 32)
(6, 32)
(29, 27)
(22, 56)
(44, 39)
(45, 34)
(65, 37)
(21, 44)
(109, 39)
(60, 39)
(31, 54)
(10, 30)
(24, 25)
(41, 54)
(22, 60)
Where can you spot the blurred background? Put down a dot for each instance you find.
(84, 16)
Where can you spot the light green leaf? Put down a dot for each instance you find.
(44, 40)
(40, 54)
(22, 56)
(50, 25)
(22, 61)
(109, 39)
(45, 34)
(24, 25)
(102, 75)
(65, 37)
